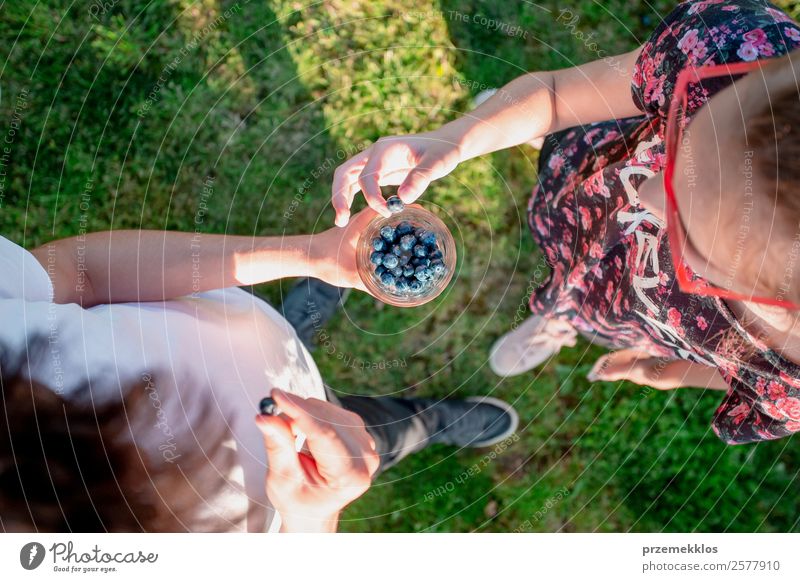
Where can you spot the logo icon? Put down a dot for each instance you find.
(31, 555)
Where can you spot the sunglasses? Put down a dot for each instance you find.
(677, 122)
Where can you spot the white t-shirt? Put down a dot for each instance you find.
(215, 354)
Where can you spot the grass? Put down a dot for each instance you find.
(265, 99)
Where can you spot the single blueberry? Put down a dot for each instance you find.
(267, 406)
(394, 204)
(390, 261)
(378, 244)
(429, 238)
(419, 251)
(435, 255)
(403, 284)
(387, 233)
(408, 271)
(404, 228)
(404, 259)
(379, 269)
(421, 273)
(387, 279)
(438, 267)
(397, 271)
(415, 285)
(376, 258)
(396, 250)
(425, 262)
(407, 242)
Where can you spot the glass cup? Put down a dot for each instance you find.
(418, 217)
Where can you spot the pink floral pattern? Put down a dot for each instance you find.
(611, 269)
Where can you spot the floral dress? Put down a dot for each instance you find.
(612, 275)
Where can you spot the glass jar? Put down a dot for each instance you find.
(418, 218)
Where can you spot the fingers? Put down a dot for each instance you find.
(432, 166)
(620, 365)
(345, 185)
(369, 181)
(613, 366)
(600, 371)
(284, 463)
(332, 433)
(416, 182)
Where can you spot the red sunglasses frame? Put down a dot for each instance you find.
(674, 225)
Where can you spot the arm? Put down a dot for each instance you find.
(530, 106)
(537, 104)
(131, 265)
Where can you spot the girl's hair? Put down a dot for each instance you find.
(773, 134)
(71, 468)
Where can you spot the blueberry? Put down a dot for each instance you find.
(397, 271)
(404, 228)
(387, 233)
(407, 242)
(421, 273)
(420, 251)
(390, 261)
(267, 406)
(394, 204)
(415, 285)
(438, 267)
(387, 279)
(429, 238)
(378, 244)
(376, 258)
(380, 270)
(435, 255)
(408, 271)
(404, 259)
(403, 284)
(425, 262)
(419, 231)
(397, 251)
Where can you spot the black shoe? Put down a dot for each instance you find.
(401, 426)
(472, 422)
(309, 305)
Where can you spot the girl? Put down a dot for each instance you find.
(666, 208)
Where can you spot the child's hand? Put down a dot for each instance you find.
(410, 161)
(660, 373)
(333, 252)
(637, 367)
(310, 489)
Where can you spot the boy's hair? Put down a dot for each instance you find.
(69, 468)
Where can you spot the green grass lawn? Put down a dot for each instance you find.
(126, 109)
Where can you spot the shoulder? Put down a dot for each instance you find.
(22, 276)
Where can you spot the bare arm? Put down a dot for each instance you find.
(148, 265)
(530, 106)
(536, 104)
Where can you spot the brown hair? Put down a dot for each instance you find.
(71, 468)
(773, 134)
